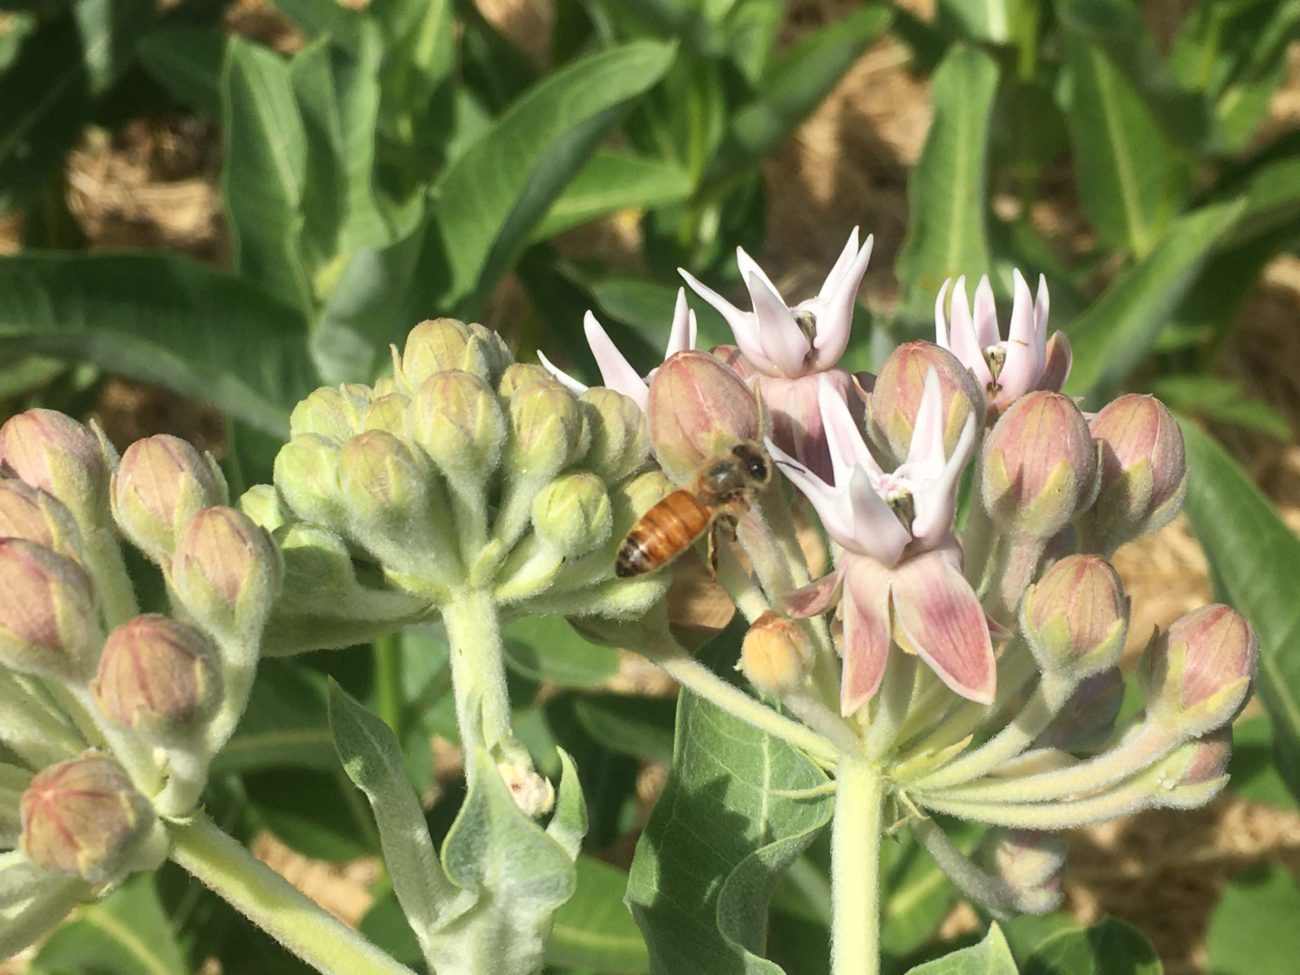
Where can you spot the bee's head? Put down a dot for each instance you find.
(754, 460)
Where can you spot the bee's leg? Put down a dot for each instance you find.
(711, 550)
(723, 523)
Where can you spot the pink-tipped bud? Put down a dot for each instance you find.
(459, 423)
(796, 418)
(445, 344)
(1196, 772)
(161, 482)
(775, 655)
(159, 677)
(1196, 675)
(1143, 474)
(1031, 864)
(84, 817)
(698, 408)
(226, 572)
(1039, 465)
(620, 440)
(896, 396)
(332, 412)
(1075, 617)
(48, 623)
(30, 513)
(57, 454)
(1088, 718)
(533, 794)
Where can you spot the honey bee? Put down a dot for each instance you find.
(721, 492)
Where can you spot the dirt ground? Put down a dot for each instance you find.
(155, 185)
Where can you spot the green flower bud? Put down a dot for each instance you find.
(459, 424)
(699, 408)
(446, 344)
(1196, 675)
(548, 431)
(48, 623)
(161, 482)
(331, 412)
(389, 413)
(84, 817)
(896, 397)
(57, 454)
(572, 514)
(226, 572)
(521, 375)
(1143, 474)
(1076, 617)
(159, 677)
(1039, 465)
(307, 477)
(30, 513)
(620, 439)
(262, 503)
(775, 655)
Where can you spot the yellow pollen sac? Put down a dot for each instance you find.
(901, 504)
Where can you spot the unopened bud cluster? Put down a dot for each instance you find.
(110, 715)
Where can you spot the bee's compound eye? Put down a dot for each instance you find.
(758, 469)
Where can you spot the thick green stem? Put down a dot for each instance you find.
(855, 869)
(275, 906)
(388, 680)
(478, 674)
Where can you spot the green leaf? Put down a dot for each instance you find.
(372, 759)
(1065, 948)
(947, 233)
(1112, 337)
(990, 957)
(1253, 555)
(593, 930)
(127, 934)
(717, 841)
(641, 727)
(162, 319)
(419, 44)
(546, 648)
(1130, 180)
(1222, 399)
(284, 725)
(1253, 930)
(980, 20)
(515, 876)
(265, 174)
(319, 814)
(1253, 775)
(187, 62)
(488, 201)
(610, 182)
(795, 85)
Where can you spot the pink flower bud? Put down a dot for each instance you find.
(1196, 675)
(775, 655)
(445, 344)
(84, 817)
(1143, 474)
(698, 408)
(158, 676)
(161, 482)
(1075, 617)
(331, 412)
(57, 454)
(896, 397)
(1039, 465)
(48, 623)
(1031, 864)
(30, 513)
(1088, 718)
(226, 572)
(459, 424)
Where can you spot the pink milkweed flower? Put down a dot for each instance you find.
(615, 371)
(900, 569)
(786, 349)
(1006, 370)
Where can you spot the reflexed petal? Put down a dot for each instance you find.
(833, 507)
(744, 325)
(937, 505)
(940, 319)
(682, 336)
(842, 264)
(866, 631)
(748, 266)
(616, 372)
(783, 341)
(836, 320)
(814, 598)
(561, 377)
(938, 616)
(986, 315)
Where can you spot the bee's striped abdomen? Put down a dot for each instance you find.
(662, 534)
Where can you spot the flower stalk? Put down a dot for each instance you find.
(856, 832)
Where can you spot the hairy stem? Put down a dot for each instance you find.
(855, 869)
(271, 903)
(478, 675)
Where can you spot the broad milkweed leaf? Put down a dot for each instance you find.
(593, 930)
(947, 233)
(162, 319)
(1253, 554)
(610, 182)
(990, 957)
(716, 842)
(285, 723)
(1252, 930)
(187, 61)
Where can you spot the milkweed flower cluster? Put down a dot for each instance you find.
(109, 716)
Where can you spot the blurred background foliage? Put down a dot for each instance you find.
(208, 207)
